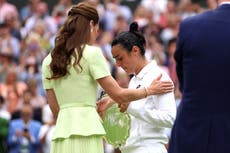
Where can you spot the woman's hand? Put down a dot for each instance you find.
(123, 107)
(103, 104)
(158, 87)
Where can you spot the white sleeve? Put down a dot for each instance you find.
(161, 115)
(43, 131)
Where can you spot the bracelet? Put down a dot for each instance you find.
(146, 92)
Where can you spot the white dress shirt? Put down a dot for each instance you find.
(151, 116)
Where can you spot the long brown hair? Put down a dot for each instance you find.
(73, 34)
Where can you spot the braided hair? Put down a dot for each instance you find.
(73, 34)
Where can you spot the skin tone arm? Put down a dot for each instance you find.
(52, 102)
(124, 96)
(118, 94)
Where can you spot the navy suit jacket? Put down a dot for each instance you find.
(203, 68)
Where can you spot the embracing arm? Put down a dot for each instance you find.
(124, 95)
(118, 94)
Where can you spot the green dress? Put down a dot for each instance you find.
(76, 94)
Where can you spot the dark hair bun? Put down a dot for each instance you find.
(133, 27)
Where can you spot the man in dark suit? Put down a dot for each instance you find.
(203, 68)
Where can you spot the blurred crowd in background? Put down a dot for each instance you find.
(27, 36)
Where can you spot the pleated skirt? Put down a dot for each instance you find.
(78, 144)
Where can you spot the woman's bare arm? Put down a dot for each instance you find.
(52, 101)
(123, 95)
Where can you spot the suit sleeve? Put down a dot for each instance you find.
(179, 57)
(35, 134)
(12, 139)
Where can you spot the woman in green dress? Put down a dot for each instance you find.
(71, 73)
